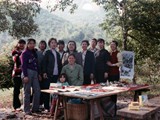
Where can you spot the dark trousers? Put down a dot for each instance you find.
(87, 80)
(100, 76)
(16, 91)
(45, 85)
(113, 78)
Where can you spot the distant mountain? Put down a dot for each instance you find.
(51, 25)
(83, 25)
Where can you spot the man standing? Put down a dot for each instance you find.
(61, 46)
(102, 58)
(93, 45)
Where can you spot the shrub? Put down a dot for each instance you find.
(6, 66)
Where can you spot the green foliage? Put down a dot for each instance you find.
(64, 4)
(6, 66)
(18, 18)
(136, 22)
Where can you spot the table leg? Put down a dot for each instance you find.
(99, 109)
(65, 107)
(91, 110)
(56, 109)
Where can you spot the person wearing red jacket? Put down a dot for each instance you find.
(116, 62)
(16, 73)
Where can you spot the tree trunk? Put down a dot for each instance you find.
(125, 39)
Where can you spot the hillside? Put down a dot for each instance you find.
(51, 25)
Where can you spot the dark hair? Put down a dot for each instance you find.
(115, 42)
(50, 40)
(100, 40)
(75, 50)
(30, 40)
(95, 40)
(72, 55)
(60, 42)
(86, 41)
(21, 41)
(42, 42)
(65, 76)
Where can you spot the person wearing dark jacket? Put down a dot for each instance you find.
(102, 58)
(87, 61)
(51, 68)
(16, 73)
(61, 46)
(40, 54)
(30, 75)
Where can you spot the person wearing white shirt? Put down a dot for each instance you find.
(51, 67)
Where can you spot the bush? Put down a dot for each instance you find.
(6, 66)
(148, 71)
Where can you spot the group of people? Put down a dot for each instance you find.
(37, 68)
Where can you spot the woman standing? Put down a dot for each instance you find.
(71, 49)
(51, 68)
(30, 77)
(73, 71)
(16, 74)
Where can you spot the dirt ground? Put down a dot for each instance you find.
(9, 114)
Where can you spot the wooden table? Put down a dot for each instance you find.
(92, 97)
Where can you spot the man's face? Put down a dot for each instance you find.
(93, 43)
(101, 45)
(61, 47)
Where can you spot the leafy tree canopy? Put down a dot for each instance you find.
(18, 17)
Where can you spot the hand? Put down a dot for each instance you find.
(114, 65)
(25, 80)
(45, 76)
(105, 75)
(91, 76)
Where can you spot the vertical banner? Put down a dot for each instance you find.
(127, 68)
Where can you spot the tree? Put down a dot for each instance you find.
(138, 21)
(135, 23)
(18, 17)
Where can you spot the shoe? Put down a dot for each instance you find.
(18, 109)
(46, 111)
(41, 107)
